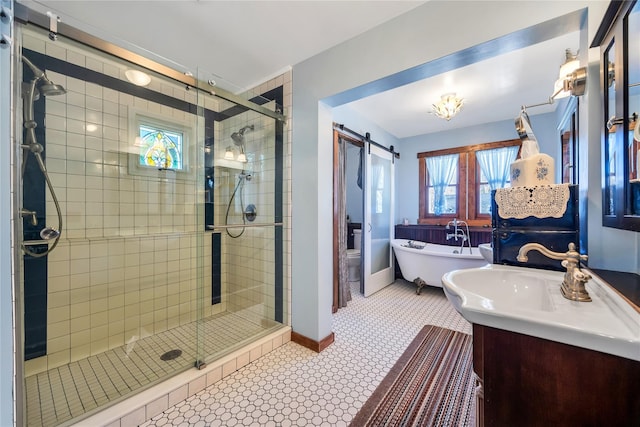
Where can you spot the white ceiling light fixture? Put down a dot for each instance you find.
(448, 106)
(137, 77)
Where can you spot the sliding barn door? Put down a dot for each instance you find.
(377, 227)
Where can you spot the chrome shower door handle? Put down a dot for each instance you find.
(5, 41)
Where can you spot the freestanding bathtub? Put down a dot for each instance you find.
(426, 266)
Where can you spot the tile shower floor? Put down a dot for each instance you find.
(296, 386)
(57, 395)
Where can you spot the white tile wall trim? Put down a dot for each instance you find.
(145, 405)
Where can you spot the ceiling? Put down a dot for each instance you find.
(247, 42)
(493, 89)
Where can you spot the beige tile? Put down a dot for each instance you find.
(229, 368)
(59, 329)
(267, 347)
(242, 360)
(157, 406)
(197, 385)
(133, 419)
(255, 353)
(58, 359)
(178, 395)
(214, 376)
(33, 366)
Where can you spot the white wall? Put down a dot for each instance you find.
(407, 41)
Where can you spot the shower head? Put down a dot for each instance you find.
(49, 233)
(37, 72)
(47, 88)
(238, 137)
(31, 93)
(51, 89)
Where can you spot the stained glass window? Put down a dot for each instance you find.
(160, 148)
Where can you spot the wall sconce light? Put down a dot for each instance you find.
(448, 106)
(571, 78)
(572, 83)
(571, 64)
(230, 154)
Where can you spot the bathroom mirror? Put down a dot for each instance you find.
(633, 97)
(620, 58)
(568, 135)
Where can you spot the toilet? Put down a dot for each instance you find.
(353, 257)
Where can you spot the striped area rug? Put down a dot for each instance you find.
(431, 384)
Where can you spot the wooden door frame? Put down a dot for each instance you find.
(337, 135)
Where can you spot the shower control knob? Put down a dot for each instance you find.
(250, 212)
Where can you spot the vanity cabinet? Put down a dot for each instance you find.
(529, 381)
(619, 40)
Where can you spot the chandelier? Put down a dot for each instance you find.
(448, 106)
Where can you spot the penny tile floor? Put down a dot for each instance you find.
(294, 386)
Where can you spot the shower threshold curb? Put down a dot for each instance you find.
(153, 401)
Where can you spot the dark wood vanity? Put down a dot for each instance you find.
(529, 381)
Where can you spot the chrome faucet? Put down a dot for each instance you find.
(459, 232)
(574, 279)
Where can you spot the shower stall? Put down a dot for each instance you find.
(151, 234)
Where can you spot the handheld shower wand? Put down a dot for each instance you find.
(31, 145)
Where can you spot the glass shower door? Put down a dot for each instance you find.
(242, 293)
(169, 257)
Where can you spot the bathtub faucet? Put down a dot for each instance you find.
(459, 232)
(574, 279)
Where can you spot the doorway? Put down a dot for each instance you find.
(362, 200)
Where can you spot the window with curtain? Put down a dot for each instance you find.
(442, 185)
(494, 168)
(457, 182)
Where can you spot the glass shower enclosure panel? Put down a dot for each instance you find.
(243, 219)
(108, 173)
(151, 235)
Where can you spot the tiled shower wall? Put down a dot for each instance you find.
(126, 265)
(248, 258)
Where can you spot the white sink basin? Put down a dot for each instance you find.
(486, 251)
(528, 301)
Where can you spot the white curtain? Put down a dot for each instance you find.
(441, 169)
(495, 164)
(344, 291)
